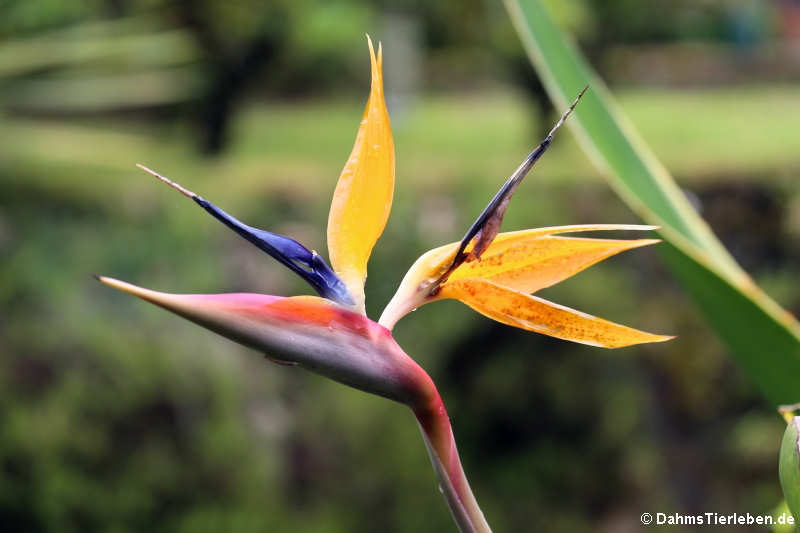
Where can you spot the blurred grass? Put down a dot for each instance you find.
(698, 134)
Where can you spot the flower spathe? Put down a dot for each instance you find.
(308, 331)
(494, 273)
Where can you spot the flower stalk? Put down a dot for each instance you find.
(437, 433)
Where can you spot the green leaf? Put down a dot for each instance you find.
(763, 337)
(789, 467)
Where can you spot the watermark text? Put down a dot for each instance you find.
(716, 519)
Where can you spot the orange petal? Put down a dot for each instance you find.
(426, 272)
(535, 314)
(363, 197)
(575, 228)
(528, 264)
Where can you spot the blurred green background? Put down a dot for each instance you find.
(117, 417)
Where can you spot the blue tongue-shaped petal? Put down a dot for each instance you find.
(304, 262)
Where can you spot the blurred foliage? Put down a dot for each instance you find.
(117, 417)
(629, 21)
(198, 59)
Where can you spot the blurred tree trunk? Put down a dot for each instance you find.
(233, 64)
(540, 103)
(229, 77)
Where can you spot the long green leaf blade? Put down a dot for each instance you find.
(764, 338)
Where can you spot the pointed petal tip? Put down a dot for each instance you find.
(651, 340)
(628, 227)
(376, 65)
(148, 295)
(177, 303)
(176, 186)
(645, 338)
(371, 46)
(642, 242)
(124, 286)
(577, 99)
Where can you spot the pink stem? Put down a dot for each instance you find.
(438, 435)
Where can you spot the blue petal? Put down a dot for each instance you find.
(304, 262)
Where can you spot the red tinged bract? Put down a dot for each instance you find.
(308, 331)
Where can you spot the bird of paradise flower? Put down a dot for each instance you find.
(493, 273)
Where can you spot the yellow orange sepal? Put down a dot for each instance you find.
(528, 312)
(363, 196)
(515, 265)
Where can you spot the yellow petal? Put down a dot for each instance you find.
(414, 290)
(528, 264)
(535, 314)
(363, 197)
(575, 228)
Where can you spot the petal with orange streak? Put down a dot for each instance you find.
(423, 277)
(363, 196)
(530, 264)
(535, 314)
